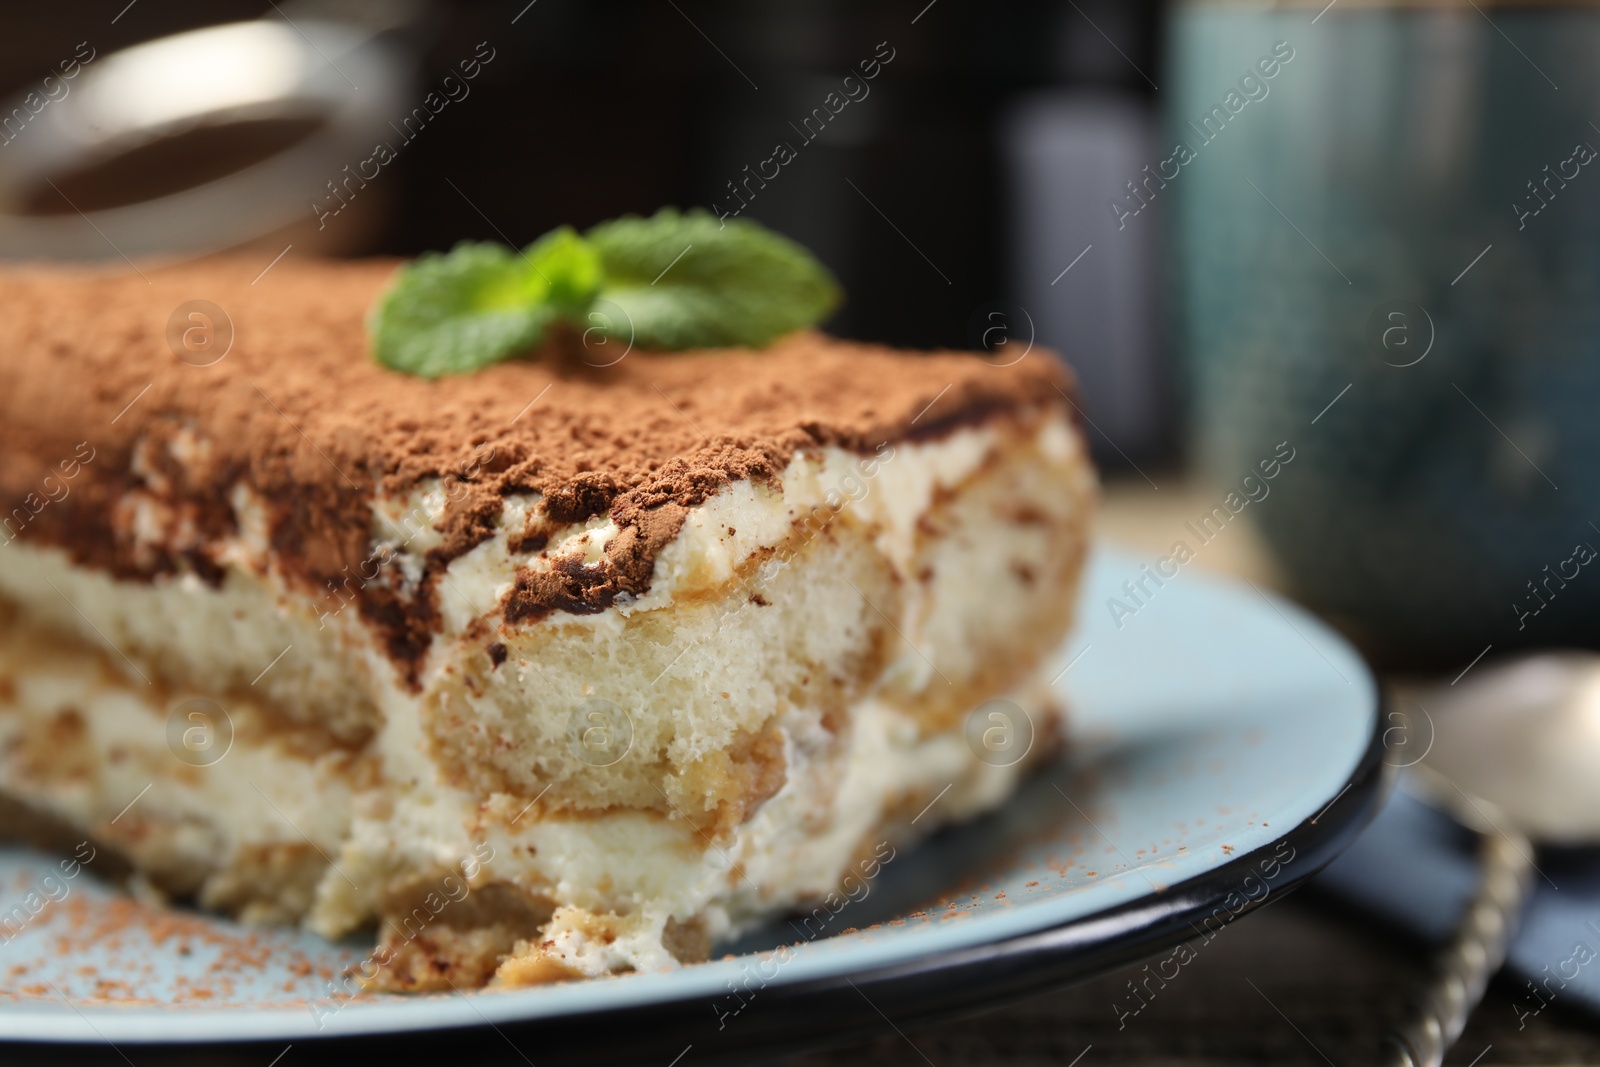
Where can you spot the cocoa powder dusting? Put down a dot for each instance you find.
(297, 412)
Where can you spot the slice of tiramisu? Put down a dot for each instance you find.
(572, 665)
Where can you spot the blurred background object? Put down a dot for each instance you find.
(1388, 254)
(1067, 151)
(189, 143)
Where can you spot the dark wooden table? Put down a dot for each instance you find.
(1303, 981)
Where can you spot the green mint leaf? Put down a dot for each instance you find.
(570, 268)
(688, 280)
(681, 280)
(456, 312)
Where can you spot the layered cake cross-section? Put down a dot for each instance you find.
(556, 669)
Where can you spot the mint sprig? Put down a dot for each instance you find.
(679, 280)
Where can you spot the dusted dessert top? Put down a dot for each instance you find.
(270, 385)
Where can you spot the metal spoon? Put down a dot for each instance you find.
(1515, 757)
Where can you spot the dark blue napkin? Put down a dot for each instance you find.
(1415, 868)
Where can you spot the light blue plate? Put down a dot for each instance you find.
(1224, 748)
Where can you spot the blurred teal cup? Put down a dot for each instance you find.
(1383, 227)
